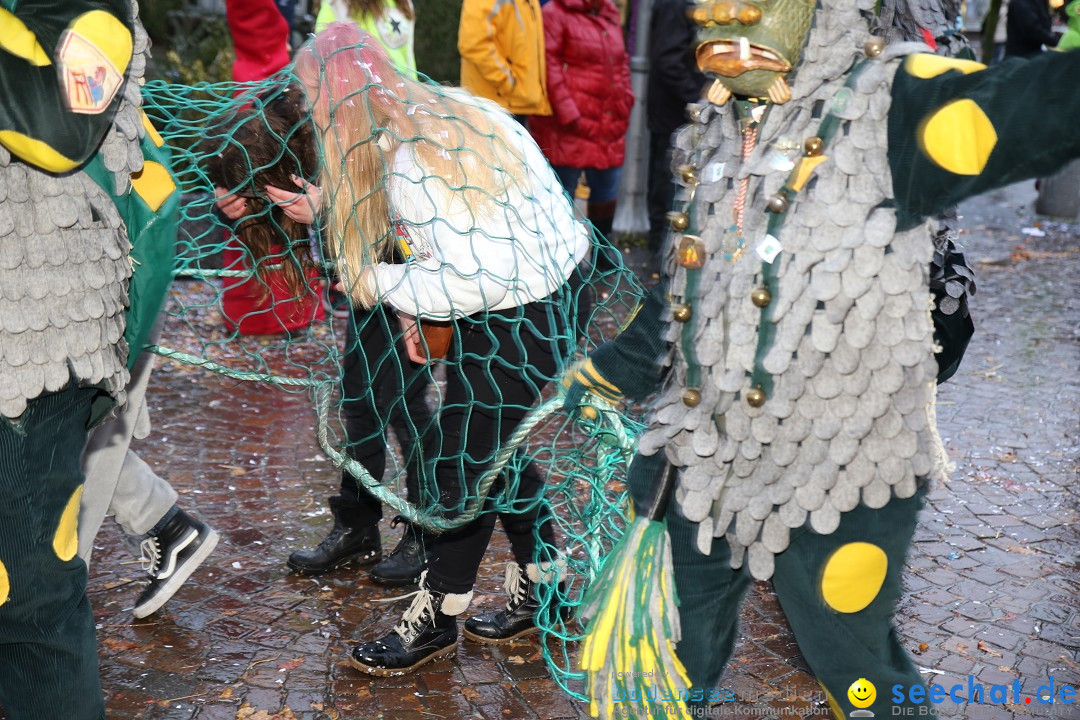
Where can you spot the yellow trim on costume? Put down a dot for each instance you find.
(853, 576)
(66, 540)
(108, 35)
(926, 66)
(151, 131)
(837, 710)
(153, 183)
(959, 137)
(20, 40)
(36, 152)
(807, 166)
(5, 584)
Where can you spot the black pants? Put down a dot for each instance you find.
(48, 654)
(381, 388)
(661, 188)
(499, 363)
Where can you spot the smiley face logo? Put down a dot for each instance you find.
(862, 693)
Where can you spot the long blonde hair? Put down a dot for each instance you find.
(365, 109)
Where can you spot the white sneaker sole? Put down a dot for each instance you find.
(174, 583)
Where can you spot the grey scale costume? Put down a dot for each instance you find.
(851, 416)
(64, 257)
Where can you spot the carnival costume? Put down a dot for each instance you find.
(793, 340)
(72, 175)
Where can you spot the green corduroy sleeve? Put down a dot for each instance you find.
(965, 131)
(634, 360)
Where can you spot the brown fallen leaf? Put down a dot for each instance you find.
(470, 693)
(291, 664)
(516, 660)
(987, 649)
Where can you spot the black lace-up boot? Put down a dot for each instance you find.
(517, 619)
(169, 556)
(404, 565)
(427, 631)
(346, 542)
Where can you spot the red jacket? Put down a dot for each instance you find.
(588, 79)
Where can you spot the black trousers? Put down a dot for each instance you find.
(381, 389)
(498, 365)
(660, 194)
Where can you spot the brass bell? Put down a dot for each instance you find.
(778, 203)
(761, 297)
(874, 46)
(679, 220)
(691, 397)
(689, 175)
(682, 313)
(814, 146)
(756, 397)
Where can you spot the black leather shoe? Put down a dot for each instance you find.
(516, 620)
(404, 565)
(424, 634)
(345, 543)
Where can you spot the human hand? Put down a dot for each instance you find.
(300, 206)
(414, 342)
(233, 207)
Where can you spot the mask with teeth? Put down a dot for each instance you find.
(749, 46)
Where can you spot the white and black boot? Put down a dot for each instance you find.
(519, 617)
(169, 556)
(427, 631)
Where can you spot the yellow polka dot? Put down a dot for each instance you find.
(925, 65)
(959, 137)
(853, 576)
(5, 585)
(66, 541)
(153, 184)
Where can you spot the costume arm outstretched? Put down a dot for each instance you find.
(958, 128)
(632, 365)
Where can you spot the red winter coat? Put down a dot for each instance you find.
(588, 79)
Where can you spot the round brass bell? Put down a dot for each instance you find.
(689, 175)
(679, 220)
(874, 46)
(761, 297)
(756, 397)
(814, 146)
(778, 203)
(691, 397)
(682, 313)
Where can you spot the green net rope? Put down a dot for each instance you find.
(239, 315)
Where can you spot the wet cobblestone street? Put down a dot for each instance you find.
(992, 589)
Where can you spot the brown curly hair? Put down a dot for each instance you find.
(267, 144)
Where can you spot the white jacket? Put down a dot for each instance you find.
(463, 262)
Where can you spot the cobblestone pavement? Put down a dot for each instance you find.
(992, 590)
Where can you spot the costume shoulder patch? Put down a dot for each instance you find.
(94, 54)
(926, 66)
(411, 247)
(958, 137)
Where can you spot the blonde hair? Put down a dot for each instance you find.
(365, 109)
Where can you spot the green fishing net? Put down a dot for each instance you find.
(253, 299)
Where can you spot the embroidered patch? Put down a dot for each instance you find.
(411, 247)
(90, 79)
